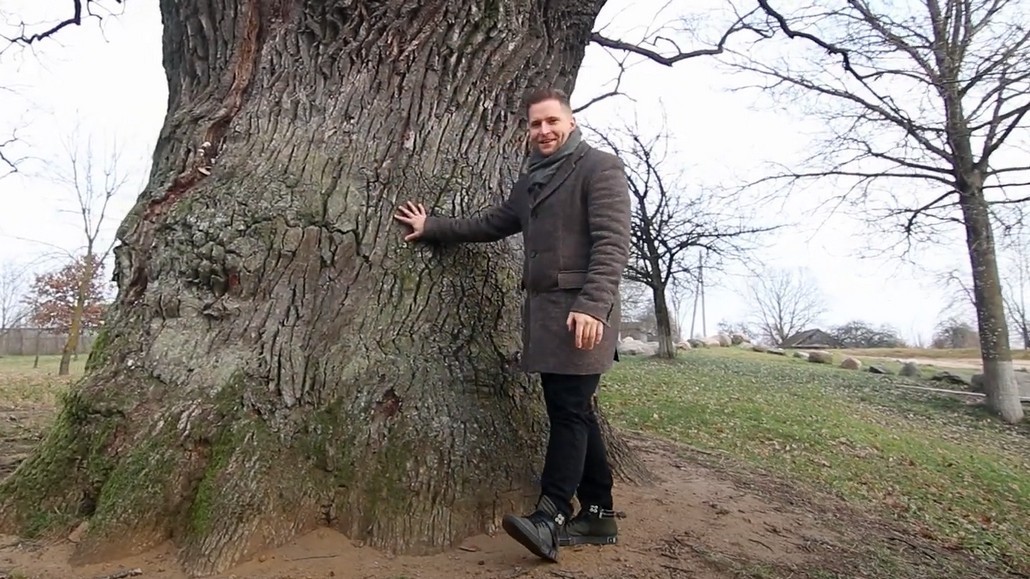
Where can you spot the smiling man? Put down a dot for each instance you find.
(572, 207)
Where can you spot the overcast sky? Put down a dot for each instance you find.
(113, 85)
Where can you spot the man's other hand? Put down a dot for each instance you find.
(414, 216)
(587, 330)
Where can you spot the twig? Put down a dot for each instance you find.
(762, 544)
(675, 568)
(314, 557)
(919, 548)
(122, 574)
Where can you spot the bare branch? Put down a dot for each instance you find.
(615, 91)
(80, 10)
(740, 25)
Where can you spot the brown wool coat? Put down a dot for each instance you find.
(576, 235)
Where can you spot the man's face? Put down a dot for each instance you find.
(550, 125)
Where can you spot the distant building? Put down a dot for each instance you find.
(814, 339)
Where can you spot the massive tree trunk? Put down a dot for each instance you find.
(277, 358)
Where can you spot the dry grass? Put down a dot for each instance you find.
(931, 353)
(23, 385)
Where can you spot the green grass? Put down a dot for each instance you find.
(955, 474)
(23, 385)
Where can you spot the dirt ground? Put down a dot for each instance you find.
(699, 520)
(961, 363)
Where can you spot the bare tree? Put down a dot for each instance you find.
(1017, 284)
(635, 300)
(954, 333)
(13, 278)
(785, 302)
(92, 178)
(932, 94)
(670, 223)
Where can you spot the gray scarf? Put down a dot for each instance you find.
(541, 168)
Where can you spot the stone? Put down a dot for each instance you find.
(910, 370)
(820, 357)
(851, 363)
(634, 347)
(950, 378)
(879, 370)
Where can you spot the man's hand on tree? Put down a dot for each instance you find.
(587, 330)
(414, 216)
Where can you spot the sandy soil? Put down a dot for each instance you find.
(704, 517)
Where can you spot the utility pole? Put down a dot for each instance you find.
(701, 283)
(699, 293)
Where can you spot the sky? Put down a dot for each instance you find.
(112, 86)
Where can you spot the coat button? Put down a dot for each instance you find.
(532, 254)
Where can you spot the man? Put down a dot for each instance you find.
(572, 207)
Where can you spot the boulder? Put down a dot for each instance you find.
(695, 343)
(739, 338)
(683, 346)
(910, 370)
(879, 370)
(1022, 383)
(820, 357)
(634, 347)
(976, 383)
(949, 378)
(724, 340)
(778, 351)
(800, 355)
(851, 363)
(759, 348)
(712, 342)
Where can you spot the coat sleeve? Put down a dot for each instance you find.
(495, 223)
(608, 217)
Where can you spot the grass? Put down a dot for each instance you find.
(954, 474)
(950, 472)
(23, 385)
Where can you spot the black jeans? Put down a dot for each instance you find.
(577, 461)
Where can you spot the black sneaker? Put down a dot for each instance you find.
(591, 526)
(539, 531)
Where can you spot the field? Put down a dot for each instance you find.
(765, 467)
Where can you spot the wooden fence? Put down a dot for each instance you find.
(30, 341)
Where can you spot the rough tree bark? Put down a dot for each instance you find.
(276, 358)
(995, 351)
(666, 347)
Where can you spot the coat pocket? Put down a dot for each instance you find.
(571, 279)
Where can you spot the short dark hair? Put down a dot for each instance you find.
(547, 94)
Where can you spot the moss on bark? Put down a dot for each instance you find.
(59, 484)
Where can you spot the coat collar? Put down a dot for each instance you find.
(563, 173)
